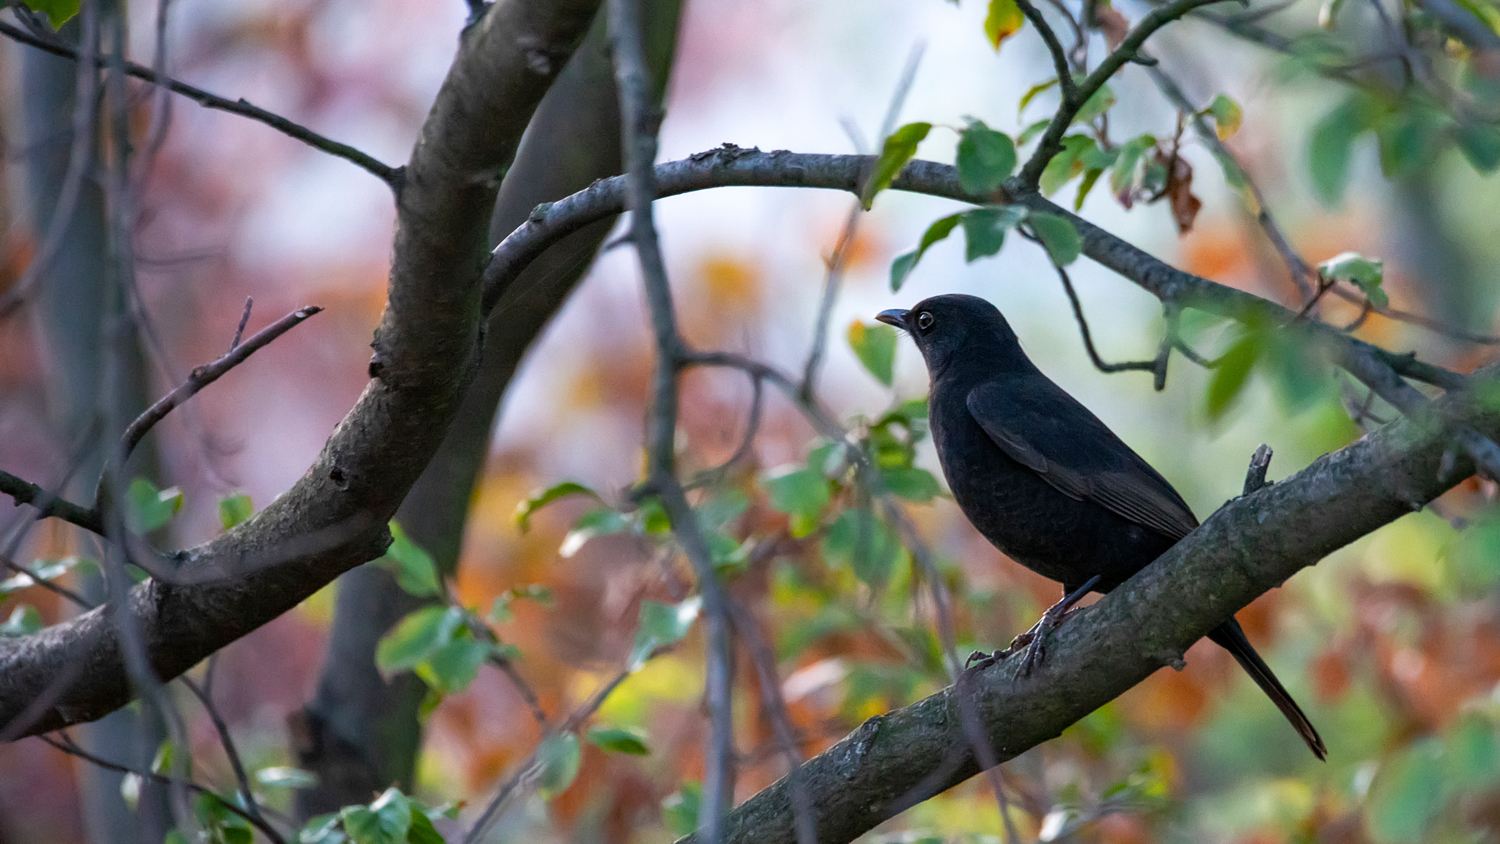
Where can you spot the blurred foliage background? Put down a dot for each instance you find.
(1356, 140)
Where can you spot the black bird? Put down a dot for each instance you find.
(1043, 479)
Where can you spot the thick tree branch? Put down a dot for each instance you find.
(1248, 547)
(425, 349)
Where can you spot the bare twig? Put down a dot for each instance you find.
(69, 746)
(200, 378)
(1255, 475)
(1065, 83)
(839, 260)
(1299, 269)
(384, 172)
(50, 503)
(1088, 340)
(639, 123)
(85, 102)
(227, 742)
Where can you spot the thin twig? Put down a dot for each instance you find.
(69, 746)
(80, 155)
(1088, 339)
(530, 768)
(1051, 141)
(709, 477)
(639, 122)
(1299, 269)
(1065, 83)
(384, 172)
(50, 504)
(46, 583)
(227, 742)
(196, 381)
(839, 260)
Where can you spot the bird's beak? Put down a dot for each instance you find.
(896, 317)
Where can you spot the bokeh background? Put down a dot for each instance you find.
(1391, 644)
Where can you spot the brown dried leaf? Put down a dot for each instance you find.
(1179, 191)
(1113, 24)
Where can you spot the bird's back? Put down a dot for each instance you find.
(1055, 534)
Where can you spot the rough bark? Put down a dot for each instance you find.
(1248, 547)
(360, 733)
(426, 350)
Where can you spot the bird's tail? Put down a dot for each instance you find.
(1231, 637)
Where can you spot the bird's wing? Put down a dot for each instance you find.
(1046, 430)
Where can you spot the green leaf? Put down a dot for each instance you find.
(235, 509)
(559, 757)
(386, 821)
(1122, 178)
(24, 621)
(1066, 164)
(1365, 273)
(1407, 139)
(1227, 116)
(148, 508)
(1471, 753)
(1058, 236)
(415, 637)
(627, 740)
(40, 570)
(542, 497)
(422, 831)
(1090, 177)
(679, 811)
(903, 265)
(985, 228)
(985, 158)
(897, 150)
(662, 624)
(1480, 144)
(1031, 132)
(323, 829)
(1233, 371)
(1407, 794)
(1101, 101)
(415, 571)
(451, 667)
(283, 776)
(911, 483)
(801, 494)
(1003, 20)
(1031, 94)
(1332, 144)
(864, 543)
(875, 346)
(176, 836)
(58, 12)
(597, 522)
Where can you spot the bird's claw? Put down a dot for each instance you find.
(1032, 640)
(979, 660)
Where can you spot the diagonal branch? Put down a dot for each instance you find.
(1248, 547)
(1051, 141)
(241, 107)
(334, 517)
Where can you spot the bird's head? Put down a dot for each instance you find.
(957, 327)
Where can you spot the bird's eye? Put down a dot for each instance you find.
(924, 321)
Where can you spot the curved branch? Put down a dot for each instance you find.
(334, 518)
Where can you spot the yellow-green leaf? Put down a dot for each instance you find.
(1002, 21)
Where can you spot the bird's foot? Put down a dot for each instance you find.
(979, 660)
(1032, 640)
